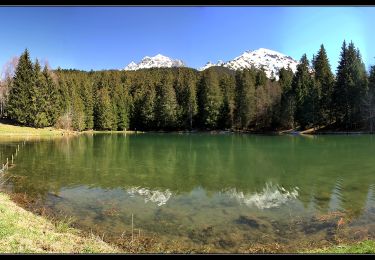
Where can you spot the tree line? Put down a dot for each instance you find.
(186, 99)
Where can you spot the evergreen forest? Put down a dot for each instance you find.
(174, 99)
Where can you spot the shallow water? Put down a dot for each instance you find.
(225, 191)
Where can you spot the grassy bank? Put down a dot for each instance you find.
(9, 130)
(24, 232)
(364, 247)
(14, 130)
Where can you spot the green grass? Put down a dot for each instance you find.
(8, 131)
(364, 247)
(13, 130)
(23, 232)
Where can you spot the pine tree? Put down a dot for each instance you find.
(210, 99)
(38, 99)
(227, 85)
(78, 113)
(104, 110)
(350, 87)
(245, 98)
(191, 97)
(63, 104)
(144, 102)
(267, 100)
(360, 89)
(121, 100)
(310, 105)
(261, 78)
(19, 98)
(88, 101)
(52, 100)
(286, 117)
(186, 95)
(324, 81)
(301, 86)
(166, 104)
(368, 103)
(340, 91)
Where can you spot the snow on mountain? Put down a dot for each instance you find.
(131, 66)
(210, 64)
(271, 61)
(158, 61)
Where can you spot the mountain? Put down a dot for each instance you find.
(210, 64)
(270, 60)
(158, 61)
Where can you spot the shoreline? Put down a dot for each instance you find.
(15, 131)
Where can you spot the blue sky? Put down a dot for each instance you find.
(111, 37)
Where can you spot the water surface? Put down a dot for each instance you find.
(226, 191)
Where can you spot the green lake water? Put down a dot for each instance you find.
(226, 191)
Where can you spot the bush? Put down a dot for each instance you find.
(64, 122)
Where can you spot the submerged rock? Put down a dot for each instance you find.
(252, 221)
(225, 243)
(315, 225)
(248, 221)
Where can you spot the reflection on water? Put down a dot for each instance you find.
(226, 191)
(271, 196)
(159, 197)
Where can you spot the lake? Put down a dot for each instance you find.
(224, 191)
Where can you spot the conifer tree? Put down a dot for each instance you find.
(78, 114)
(143, 107)
(340, 95)
(166, 103)
(52, 97)
(227, 85)
(121, 100)
(245, 98)
(261, 78)
(104, 110)
(186, 95)
(210, 99)
(324, 81)
(38, 99)
(350, 87)
(19, 99)
(64, 103)
(287, 106)
(369, 102)
(87, 96)
(301, 86)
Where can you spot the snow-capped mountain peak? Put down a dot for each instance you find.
(157, 61)
(210, 64)
(131, 66)
(271, 61)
